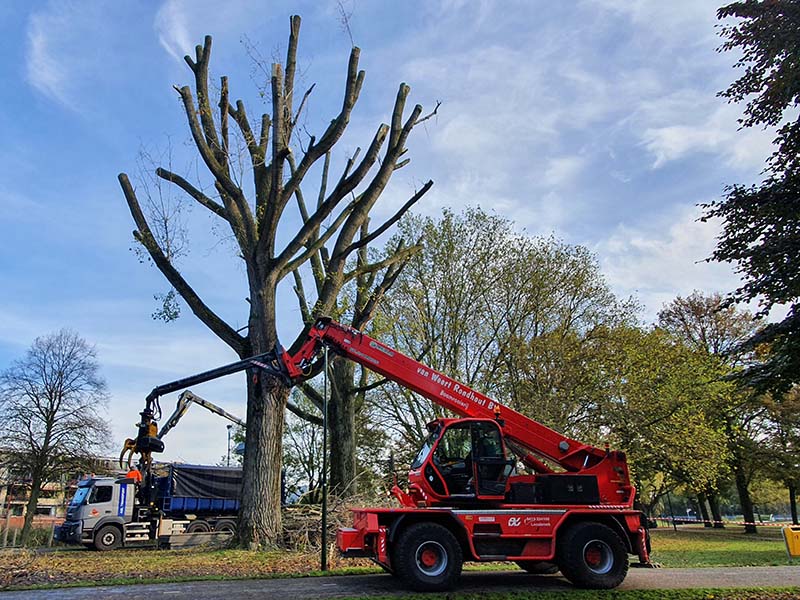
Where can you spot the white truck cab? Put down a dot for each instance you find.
(101, 515)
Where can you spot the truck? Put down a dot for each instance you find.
(489, 485)
(107, 513)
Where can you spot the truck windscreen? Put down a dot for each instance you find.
(80, 496)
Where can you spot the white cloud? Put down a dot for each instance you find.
(173, 33)
(561, 170)
(45, 65)
(664, 258)
(698, 126)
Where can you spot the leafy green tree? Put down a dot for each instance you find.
(255, 170)
(518, 317)
(52, 403)
(436, 312)
(761, 223)
(707, 325)
(783, 442)
(656, 410)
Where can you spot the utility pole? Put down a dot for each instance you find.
(229, 443)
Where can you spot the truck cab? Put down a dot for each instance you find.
(100, 513)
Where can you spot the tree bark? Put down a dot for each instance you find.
(713, 502)
(260, 512)
(793, 501)
(744, 497)
(701, 504)
(341, 425)
(30, 508)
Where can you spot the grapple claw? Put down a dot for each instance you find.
(128, 447)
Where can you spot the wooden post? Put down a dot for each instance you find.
(8, 526)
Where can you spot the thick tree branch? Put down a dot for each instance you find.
(314, 247)
(200, 69)
(312, 394)
(223, 122)
(198, 307)
(300, 292)
(396, 217)
(291, 65)
(345, 186)
(306, 416)
(372, 267)
(355, 80)
(239, 214)
(187, 187)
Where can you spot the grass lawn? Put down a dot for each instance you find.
(698, 547)
(684, 548)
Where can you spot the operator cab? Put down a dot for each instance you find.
(462, 460)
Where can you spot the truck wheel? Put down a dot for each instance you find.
(592, 555)
(198, 526)
(225, 525)
(108, 538)
(538, 567)
(427, 557)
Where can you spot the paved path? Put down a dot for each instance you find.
(373, 585)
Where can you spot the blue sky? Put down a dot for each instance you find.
(594, 120)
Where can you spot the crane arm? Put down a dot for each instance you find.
(185, 400)
(453, 395)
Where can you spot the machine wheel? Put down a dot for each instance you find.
(538, 567)
(427, 557)
(108, 537)
(592, 555)
(225, 525)
(198, 526)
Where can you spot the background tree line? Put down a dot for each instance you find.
(532, 322)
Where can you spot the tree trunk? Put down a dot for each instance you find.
(793, 501)
(30, 508)
(701, 504)
(716, 514)
(260, 512)
(341, 425)
(744, 497)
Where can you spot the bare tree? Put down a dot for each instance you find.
(51, 402)
(278, 161)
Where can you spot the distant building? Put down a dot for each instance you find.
(54, 496)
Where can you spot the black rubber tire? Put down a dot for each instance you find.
(225, 525)
(538, 567)
(108, 537)
(592, 555)
(429, 541)
(198, 526)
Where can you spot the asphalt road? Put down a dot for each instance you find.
(375, 585)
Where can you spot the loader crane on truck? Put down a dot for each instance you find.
(112, 512)
(465, 500)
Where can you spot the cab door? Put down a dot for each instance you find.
(471, 459)
(490, 464)
(99, 504)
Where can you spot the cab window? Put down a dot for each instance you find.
(101, 493)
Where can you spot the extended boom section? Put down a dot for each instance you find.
(540, 442)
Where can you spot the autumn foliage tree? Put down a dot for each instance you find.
(278, 159)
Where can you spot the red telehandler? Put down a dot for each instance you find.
(465, 499)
